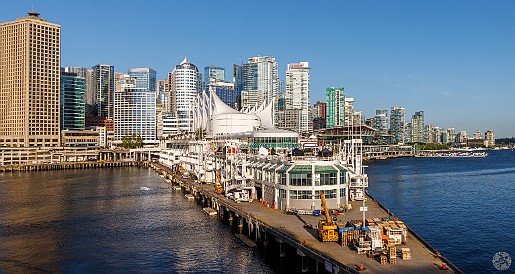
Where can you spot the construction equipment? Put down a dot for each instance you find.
(218, 185)
(327, 229)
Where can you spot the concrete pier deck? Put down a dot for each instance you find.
(305, 240)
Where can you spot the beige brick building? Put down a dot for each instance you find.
(29, 82)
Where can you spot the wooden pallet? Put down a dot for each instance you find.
(406, 253)
(383, 259)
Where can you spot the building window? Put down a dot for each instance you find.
(282, 193)
(328, 194)
(343, 193)
(297, 179)
(300, 194)
(328, 179)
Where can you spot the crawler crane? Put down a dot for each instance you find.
(327, 229)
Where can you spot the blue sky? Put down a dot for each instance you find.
(455, 60)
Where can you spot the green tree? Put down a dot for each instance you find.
(132, 141)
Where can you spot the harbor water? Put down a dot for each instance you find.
(127, 220)
(121, 220)
(464, 207)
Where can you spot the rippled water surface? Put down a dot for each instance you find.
(124, 220)
(464, 207)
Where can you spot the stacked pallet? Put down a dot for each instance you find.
(348, 237)
(392, 254)
(383, 259)
(406, 253)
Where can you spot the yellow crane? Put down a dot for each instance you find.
(327, 229)
(218, 185)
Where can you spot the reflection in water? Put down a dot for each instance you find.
(111, 220)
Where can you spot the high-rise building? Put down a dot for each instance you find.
(29, 82)
(238, 82)
(335, 107)
(461, 137)
(213, 74)
(135, 113)
(489, 138)
(73, 101)
(478, 135)
(225, 91)
(145, 78)
(319, 110)
(297, 94)
(349, 112)
(451, 136)
(433, 134)
(381, 121)
(397, 124)
(103, 86)
(184, 82)
(87, 74)
(260, 81)
(417, 128)
(162, 95)
(123, 81)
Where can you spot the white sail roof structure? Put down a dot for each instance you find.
(267, 116)
(219, 119)
(219, 105)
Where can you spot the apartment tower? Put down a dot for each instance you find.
(297, 97)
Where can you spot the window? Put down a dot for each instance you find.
(328, 179)
(282, 193)
(300, 179)
(328, 194)
(343, 193)
(300, 194)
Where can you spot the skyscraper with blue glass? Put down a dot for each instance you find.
(213, 74)
(225, 91)
(145, 78)
(73, 101)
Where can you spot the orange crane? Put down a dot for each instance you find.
(327, 229)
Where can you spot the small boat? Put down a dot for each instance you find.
(145, 188)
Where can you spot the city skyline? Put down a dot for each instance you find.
(450, 60)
